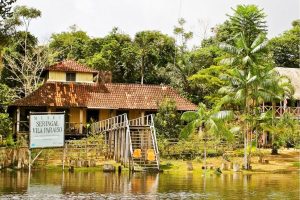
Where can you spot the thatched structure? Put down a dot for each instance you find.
(294, 75)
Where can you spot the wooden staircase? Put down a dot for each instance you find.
(133, 142)
(144, 155)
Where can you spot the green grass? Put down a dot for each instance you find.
(296, 164)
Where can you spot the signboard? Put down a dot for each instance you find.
(47, 130)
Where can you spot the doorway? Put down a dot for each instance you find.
(92, 115)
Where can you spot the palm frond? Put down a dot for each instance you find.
(258, 40)
(229, 48)
(223, 115)
(260, 47)
(189, 116)
(247, 60)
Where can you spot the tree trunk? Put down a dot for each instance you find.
(142, 70)
(205, 153)
(245, 150)
(274, 150)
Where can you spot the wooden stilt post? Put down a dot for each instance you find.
(81, 120)
(110, 143)
(18, 121)
(126, 148)
(64, 157)
(115, 144)
(119, 144)
(29, 170)
(122, 146)
(29, 160)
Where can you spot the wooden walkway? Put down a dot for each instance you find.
(131, 142)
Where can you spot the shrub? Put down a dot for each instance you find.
(5, 125)
(167, 120)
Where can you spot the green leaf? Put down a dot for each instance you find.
(189, 116)
(187, 130)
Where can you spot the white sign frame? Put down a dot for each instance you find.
(37, 140)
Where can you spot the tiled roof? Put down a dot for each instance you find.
(105, 96)
(70, 66)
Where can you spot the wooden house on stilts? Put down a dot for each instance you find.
(93, 103)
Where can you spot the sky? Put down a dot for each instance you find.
(98, 17)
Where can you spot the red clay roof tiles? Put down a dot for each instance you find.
(105, 96)
(70, 66)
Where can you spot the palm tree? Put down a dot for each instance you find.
(252, 81)
(207, 122)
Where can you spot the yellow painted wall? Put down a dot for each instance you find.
(134, 114)
(75, 115)
(61, 76)
(104, 114)
(84, 77)
(57, 76)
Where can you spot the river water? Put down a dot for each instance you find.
(98, 185)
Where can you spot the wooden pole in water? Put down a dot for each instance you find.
(64, 157)
(126, 148)
(29, 160)
(29, 170)
(115, 145)
(122, 145)
(119, 145)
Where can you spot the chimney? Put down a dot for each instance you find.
(104, 77)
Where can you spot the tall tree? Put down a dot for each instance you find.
(69, 45)
(252, 81)
(24, 60)
(181, 68)
(22, 16)
(26, 69)
(249, 60)
(285, 48)
(5, 13)
(249, 21)
(155, 51)
(16, 48)
(117, 54)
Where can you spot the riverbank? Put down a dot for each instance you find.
(287, 161)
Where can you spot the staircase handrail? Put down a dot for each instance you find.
(109, 124)
(154, 140)
(129, 138)
(141, 121)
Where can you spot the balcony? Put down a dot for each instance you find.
(280, 110)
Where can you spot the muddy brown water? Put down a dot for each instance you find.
(98, 185)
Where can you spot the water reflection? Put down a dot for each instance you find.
(49, 184)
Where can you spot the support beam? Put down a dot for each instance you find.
(115, 145)
(122, 145)
(126, 146)
(143, 117)
(80, 120)
(18, 120)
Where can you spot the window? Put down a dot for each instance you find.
(70, 76)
